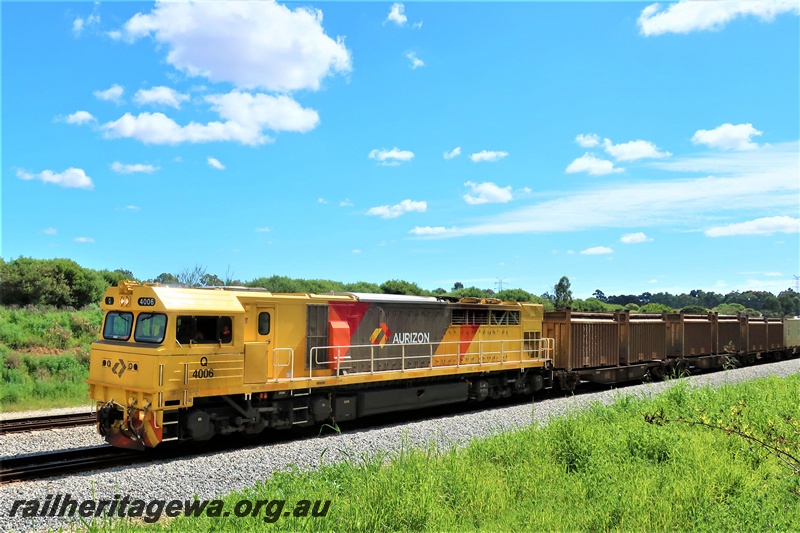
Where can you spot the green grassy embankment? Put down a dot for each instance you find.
(44, 356)
(604, 469)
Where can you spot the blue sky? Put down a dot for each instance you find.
(633, 147)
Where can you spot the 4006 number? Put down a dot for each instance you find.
(203, 373)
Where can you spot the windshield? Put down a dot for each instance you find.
(150, 327)
(118, 326)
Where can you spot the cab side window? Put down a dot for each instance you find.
(205, 329)
(263, 323)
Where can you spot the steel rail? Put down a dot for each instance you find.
(50, 464)
(46, 422)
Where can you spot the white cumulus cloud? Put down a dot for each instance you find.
(394, 211)
(250, 44)
(598, 250)
(587, 141)
(135, 168)
(79, 117)
(112, 94)
(633, 150)
(728, 137)
(161, 96)
(397, 14)
(71, 178)
(759, 226)
(391, 157)
(488, 156)
(246, 117)
(487, 192)
(635, 238)
(214, 162)
(689, 16)
(593, 165)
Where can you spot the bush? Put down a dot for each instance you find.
(57, 282)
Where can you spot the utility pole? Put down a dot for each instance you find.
(499, 284)
(797, 284)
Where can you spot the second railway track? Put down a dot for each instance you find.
(46, 422)
(64, 462)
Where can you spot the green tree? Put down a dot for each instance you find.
(57, 282)
(729, 309)
(694, 310)
(396, 286)
(598, 294)
(363, 286)
(457, 285)
(790, 302)
(655, 308)
(515, 295)
(165, 278)
(470, 292)
(563, 294)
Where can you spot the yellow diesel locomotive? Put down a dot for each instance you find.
(188, 364)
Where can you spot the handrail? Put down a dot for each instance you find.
(525, 350)
(275, 353)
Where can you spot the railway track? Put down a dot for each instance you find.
(46, 422)
(65, 462)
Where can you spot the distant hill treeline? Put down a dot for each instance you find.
(64, 283)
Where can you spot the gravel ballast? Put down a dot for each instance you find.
(219, 473)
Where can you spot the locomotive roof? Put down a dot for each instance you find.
(393, 298)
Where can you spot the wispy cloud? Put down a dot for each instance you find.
(759, 226)
(84, 240)
(762, 180)
(71, 178)
(392, 157)
(455, 152)
(394, 211)
(598, 250)
(214, 163)
(135, 168)
(488, 156)
(262, 230)
(689, 16)
(415, 61)
(50, 231)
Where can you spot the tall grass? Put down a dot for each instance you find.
(604, 469)
(44, 356)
